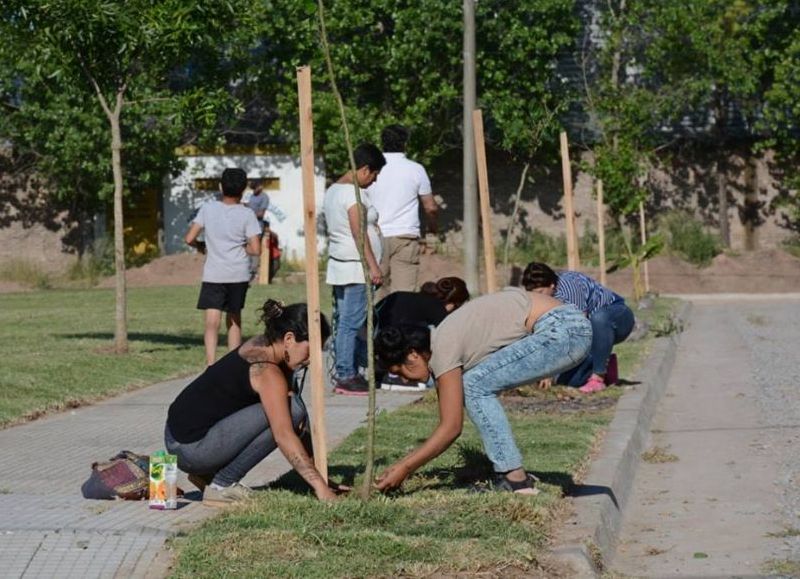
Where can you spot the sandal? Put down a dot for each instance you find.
(502, 483)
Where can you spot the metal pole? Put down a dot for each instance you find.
(470, 226)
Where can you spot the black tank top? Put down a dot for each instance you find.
(223, 389)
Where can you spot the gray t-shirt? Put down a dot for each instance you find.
(258, 203)
(478, 328)
(226, 230)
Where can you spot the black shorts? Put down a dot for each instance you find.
(228, 297)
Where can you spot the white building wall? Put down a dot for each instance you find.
(182, 199)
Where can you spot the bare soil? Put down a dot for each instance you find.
(765, 271)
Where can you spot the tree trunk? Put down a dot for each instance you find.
(366, 488)
(513, 219)
(722, 199)
(750, 210)
(121, 322)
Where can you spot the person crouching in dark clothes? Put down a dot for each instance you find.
(426, 309)
(242, 408)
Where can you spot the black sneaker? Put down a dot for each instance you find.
(395, 383)
(355, 386)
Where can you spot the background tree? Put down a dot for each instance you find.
(75, 59)
(697, 71)
(782, 111)
(400, 62)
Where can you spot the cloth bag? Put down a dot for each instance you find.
(124, 476)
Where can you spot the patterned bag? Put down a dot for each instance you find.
(124, 476)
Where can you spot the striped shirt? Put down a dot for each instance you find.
(582, 291)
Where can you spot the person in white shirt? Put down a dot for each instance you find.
(397, 196)
(232, 233)
(344, 272)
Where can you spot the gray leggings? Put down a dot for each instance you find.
(234, 445)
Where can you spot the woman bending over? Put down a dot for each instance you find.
(490, 344)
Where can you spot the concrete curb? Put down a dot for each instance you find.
(591, 534)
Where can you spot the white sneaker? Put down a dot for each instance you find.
(395, 383)
(213, 497)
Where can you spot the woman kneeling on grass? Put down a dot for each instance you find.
(493, 343)
(242, 407)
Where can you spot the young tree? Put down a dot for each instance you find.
(121, 56)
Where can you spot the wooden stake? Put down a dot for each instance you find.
(643, 231)
(486, 215)
(263, 260)
(318, 432)
(573, 258)
(601, 231)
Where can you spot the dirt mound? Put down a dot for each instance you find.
(765, 271)
(178, 269)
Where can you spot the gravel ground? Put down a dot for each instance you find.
(772, 331)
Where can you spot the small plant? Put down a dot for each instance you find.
(687, 237)
(667, 326)
(634, 257)
(782, 567)
(658, 455)
(785, 533)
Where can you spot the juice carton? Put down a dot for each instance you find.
(163, 481)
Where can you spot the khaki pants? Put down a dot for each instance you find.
(399, 265)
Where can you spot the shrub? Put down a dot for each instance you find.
(793, 245)
(539, 246)
(27, 273)
(687, 237)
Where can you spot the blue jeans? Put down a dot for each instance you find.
(350, 315)
(560, 340)
(611, 325)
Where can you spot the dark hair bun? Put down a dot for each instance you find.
(272, 310)
(448, 290)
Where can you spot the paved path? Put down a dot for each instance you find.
(731, 416)
(48, 530)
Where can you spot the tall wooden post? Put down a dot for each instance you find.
(263, 260)
(573, 258)
(318, 432)
(486, 212)
(643, 232)
(601, 231)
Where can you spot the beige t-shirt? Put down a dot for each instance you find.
(478, 328)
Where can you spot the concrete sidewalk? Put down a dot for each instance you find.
(48, 530)
(724, 501)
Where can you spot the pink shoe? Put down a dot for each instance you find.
(594, 384)
(612, 371)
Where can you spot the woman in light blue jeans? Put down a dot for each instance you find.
(494, 343)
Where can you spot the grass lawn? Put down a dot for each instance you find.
(55, 344)
(440, 523)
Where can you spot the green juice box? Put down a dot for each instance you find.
(163, 481)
